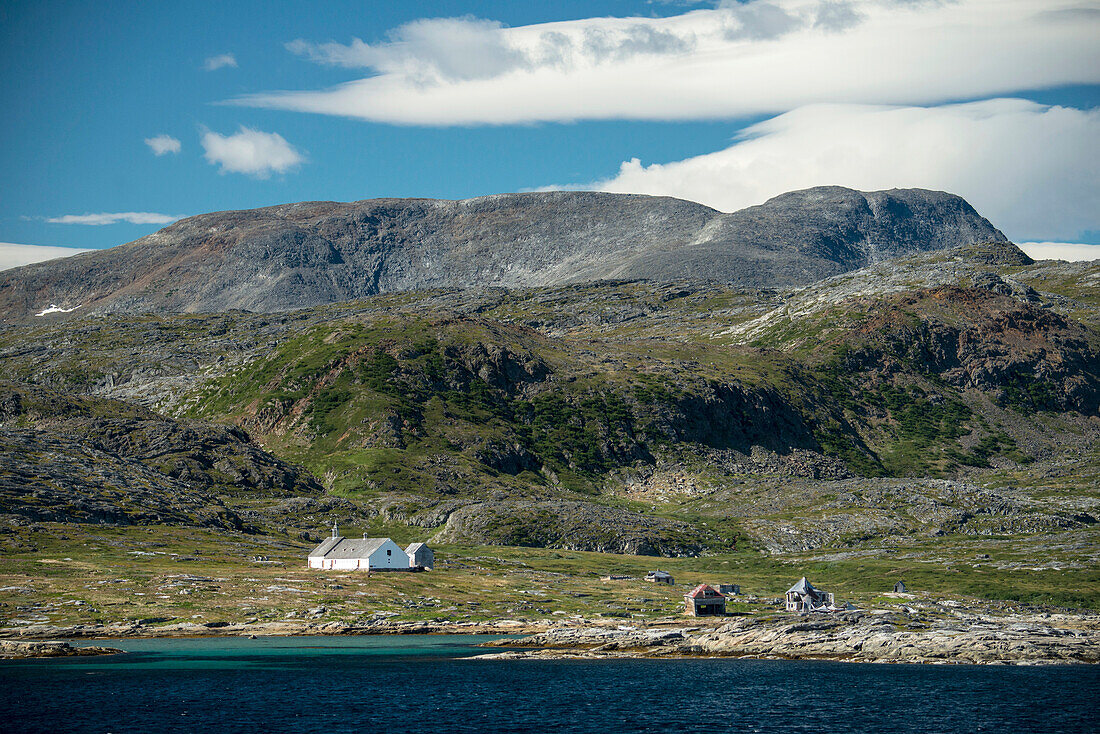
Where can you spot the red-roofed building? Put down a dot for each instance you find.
(704, 601)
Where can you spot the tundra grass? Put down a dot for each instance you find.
(65, 574)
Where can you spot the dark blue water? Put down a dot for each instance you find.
(422, 684)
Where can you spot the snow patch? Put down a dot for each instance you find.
(54, 308)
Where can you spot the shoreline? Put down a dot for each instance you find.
(865, 637)
(878, 636)
(185, 630)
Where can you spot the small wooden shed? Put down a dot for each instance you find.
(705, 601)
(420, 556)
(899, 588)
(659, 577)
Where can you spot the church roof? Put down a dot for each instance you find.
(325, 546)
(802, 587)
(339, 548)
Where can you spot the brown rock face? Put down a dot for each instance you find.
(1021, 353)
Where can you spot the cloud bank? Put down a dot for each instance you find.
(13, 255)
(1031, 169)
(115, 218)
(213, 63)
(251, 152)
(163, 144)
(1061, 251)
(739, 59)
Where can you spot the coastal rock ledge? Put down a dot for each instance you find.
(17, 649)
(851, 636)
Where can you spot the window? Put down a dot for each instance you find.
(389, 552)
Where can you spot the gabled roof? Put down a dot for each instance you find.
(802, 587)
(705, 591)
(341, 548)
(325, 546)
(414, 547)
(659, 574)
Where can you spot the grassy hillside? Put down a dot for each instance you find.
(924, 384)
(919, 398)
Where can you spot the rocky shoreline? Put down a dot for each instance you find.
(123, 630)
(868, 637)
(903, 635)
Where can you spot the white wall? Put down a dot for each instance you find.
(395, 558)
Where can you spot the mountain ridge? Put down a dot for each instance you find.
(311, 253)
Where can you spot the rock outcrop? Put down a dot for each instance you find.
(200, 454)
(67, 458)
(885, 637)
(572, 526)
(18, 649)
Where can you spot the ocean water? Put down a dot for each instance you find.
(420, 684)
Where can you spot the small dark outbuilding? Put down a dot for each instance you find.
(705, 601)
(899, 588)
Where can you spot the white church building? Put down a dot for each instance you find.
(365, 554)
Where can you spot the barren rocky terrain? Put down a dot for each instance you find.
(307, 254)
(920, 633)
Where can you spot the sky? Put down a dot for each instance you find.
(123, 117)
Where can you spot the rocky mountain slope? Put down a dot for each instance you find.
(68, 458)
(301, 255)
(950, 393)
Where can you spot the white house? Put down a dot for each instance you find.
(366, 554)
(420, 556)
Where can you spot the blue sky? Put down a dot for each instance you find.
(500, 101)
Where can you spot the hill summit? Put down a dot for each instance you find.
(312, 253)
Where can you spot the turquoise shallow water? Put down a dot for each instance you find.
(419, 683)
(232, 653)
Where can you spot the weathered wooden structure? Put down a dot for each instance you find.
(803, 597)
(705, 601)
(899, 588)
(659, 577)
(421, 557)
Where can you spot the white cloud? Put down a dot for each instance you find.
(444, 50)
(1029, 168)
(763, 56)
(451, 48)
(13, 255)
(213, 63)
(162, 144)
(1061, 251)
(115, 218)
(250, 151)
